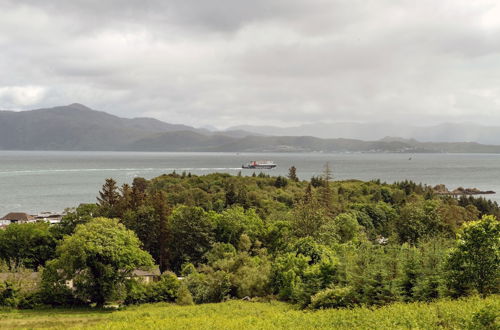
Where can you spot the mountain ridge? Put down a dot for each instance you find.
(77, 127)
(444, 132)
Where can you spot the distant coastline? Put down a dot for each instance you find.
(78, 128)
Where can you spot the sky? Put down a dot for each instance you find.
(259, 62)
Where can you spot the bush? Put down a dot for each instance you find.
(209, 287)
(164, 290)
(9, 294)
(184, 297)
(485, 319)
(475, 262)
(334, 298)
(53, 289)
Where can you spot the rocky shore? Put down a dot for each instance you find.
(441, 189)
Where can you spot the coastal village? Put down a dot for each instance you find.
(22, 217)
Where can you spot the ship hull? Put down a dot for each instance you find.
(259, 167)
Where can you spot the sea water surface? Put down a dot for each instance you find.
(37, 181)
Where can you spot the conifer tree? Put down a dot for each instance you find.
(292, 174)
(326, 190)
(109, 198)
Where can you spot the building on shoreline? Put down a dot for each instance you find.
(22, 217)
(16, 217)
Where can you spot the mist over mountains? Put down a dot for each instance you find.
(77, 127)
(446, 132)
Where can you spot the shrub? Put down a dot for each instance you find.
(184, 297)
(164, 290)
(334, 298)
(475, 262)
(9, 294)
(209, 287)
(485, 319)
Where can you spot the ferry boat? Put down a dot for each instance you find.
(260, 164)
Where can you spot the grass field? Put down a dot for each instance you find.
(250, 315)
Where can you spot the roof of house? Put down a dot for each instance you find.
(17, 216)
(26, 275)
(141, 273)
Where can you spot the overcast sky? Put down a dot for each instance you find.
(280, 62)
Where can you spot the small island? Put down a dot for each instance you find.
(441, 189)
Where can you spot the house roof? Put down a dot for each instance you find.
(17, 216)
(33, 276)
(141, 273)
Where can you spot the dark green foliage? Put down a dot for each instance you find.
(192, 231)
(292, 174)
(81, 215)
(109, 199)
(98, 258)
(487, 318)
(28, 245)
(322, 244)
(184, 297)
(485, 206)
(474, 264)
(163, 290)
(418, 220)
(280, 182)
(338, 297)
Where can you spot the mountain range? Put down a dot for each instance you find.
(77, 127)
(445, 132)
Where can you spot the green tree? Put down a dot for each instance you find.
(82, 214)
(418, 220)
(98, 258)
(27, 245)
(191, 230)
(309, 216)
(109, 198)
(235, 221)
(475, 262)
(280, 182)
(292, 174)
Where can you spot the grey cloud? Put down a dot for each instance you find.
(230, 62)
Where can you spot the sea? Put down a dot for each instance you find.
(51, 181)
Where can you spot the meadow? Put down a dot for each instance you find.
(467, 313)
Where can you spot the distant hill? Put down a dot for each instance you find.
(77, 127)
(447, 132)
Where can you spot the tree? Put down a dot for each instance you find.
(326, 190)
(418, 220)
(475, 262)
(292, 174)
(327, 172)
(280, 182)
(139, 186)
(191, 230)
(82, 214)
(27, 245)
(235, 221)
(98, 258)
(109, 198)
(308, 218)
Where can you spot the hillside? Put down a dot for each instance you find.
(77, 127)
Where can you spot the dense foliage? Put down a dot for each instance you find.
(318, 243)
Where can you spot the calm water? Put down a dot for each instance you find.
(35, 181)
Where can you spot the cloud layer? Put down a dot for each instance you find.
(230, 62)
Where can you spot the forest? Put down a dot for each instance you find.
(317, 243)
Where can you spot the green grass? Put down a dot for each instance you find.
(250, 315)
